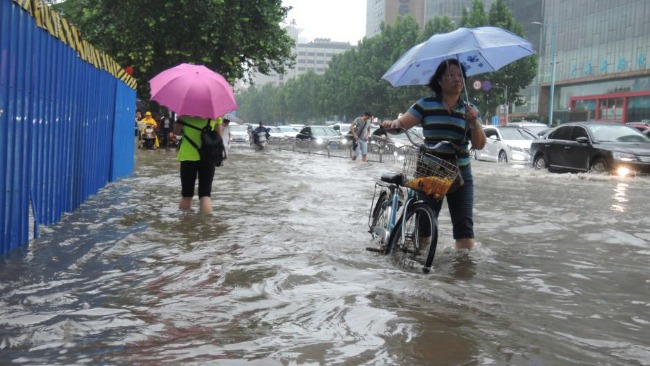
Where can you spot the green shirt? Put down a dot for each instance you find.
(187, 151)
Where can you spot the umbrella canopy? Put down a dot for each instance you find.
(233, 118)
(193, 90)
(480, 50)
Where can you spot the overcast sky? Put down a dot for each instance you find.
(338, 20)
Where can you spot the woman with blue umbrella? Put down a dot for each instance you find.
(444, 116)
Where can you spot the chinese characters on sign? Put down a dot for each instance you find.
(622, 65)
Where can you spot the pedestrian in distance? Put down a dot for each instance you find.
(226, 134)
(138, 117)
(445, 116)
(360, 129)
(191, 165)
(166, 127)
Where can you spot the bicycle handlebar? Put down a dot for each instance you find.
(421, 144)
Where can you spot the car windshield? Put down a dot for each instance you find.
(613, 133)
(323, 131)
(399, 136)
(238, 128)
(274, 129)
(535, 129)
(516, 134)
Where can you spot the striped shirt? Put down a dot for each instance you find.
(439, 125)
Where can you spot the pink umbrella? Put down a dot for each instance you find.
(193, 90)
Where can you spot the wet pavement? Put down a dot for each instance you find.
(279, 274)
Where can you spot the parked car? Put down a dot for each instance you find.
(288, 131)
(593, 147)
(341, 128)
(388, 143)
(505, 144)
(319, 137)
(239, 133)
(535, 127)
(275, 133)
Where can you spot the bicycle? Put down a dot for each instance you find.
(397, 215)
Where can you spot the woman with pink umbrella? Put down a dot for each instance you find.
(200, 97)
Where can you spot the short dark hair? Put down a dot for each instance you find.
(434, 82)
(226, 120)
(366, 113)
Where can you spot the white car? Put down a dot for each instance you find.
(534, 127)
(239, 133)
(288, 131)
(505, 144)
(276, 133)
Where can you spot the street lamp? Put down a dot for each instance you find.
(553, 25)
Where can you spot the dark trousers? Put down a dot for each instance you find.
(165, 137)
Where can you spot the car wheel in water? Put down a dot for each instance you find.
(540, 163)
(599, 167)
(503, 157)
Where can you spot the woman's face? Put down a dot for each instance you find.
(452, 80)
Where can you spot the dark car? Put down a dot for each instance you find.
(319, 137)
(593, 147)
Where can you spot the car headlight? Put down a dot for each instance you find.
(344, 142)
(617, 155)
(319, 141)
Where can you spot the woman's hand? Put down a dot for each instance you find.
(386, 124)
(471, 115)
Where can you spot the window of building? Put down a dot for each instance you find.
(611, 109)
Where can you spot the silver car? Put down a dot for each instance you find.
(505, 144)
(239, 133)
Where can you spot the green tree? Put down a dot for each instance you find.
(353, 83)
(436, 25)
(513, 77)
(233, 37)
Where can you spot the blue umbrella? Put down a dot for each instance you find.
(480, 50)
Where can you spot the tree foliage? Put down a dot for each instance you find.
(353, 84)
(232, 37)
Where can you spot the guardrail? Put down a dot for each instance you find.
(377, 150)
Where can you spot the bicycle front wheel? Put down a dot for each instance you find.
(415, 236)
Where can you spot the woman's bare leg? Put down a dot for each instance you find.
(186, 203)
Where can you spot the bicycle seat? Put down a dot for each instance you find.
(393, 178)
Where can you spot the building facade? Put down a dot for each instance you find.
(601, 68)
(310, 56)
(598, 48)
(387, 11)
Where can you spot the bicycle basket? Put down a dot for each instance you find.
(429, 174)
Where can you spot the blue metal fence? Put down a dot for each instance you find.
(66, 125)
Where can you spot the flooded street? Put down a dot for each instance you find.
(279, 274)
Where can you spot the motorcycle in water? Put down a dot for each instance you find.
(261, 140)
(148, 138)
(175, 140)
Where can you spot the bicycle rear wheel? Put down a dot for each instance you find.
(415, 236)
(379, 219)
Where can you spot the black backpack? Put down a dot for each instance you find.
(212, 150)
